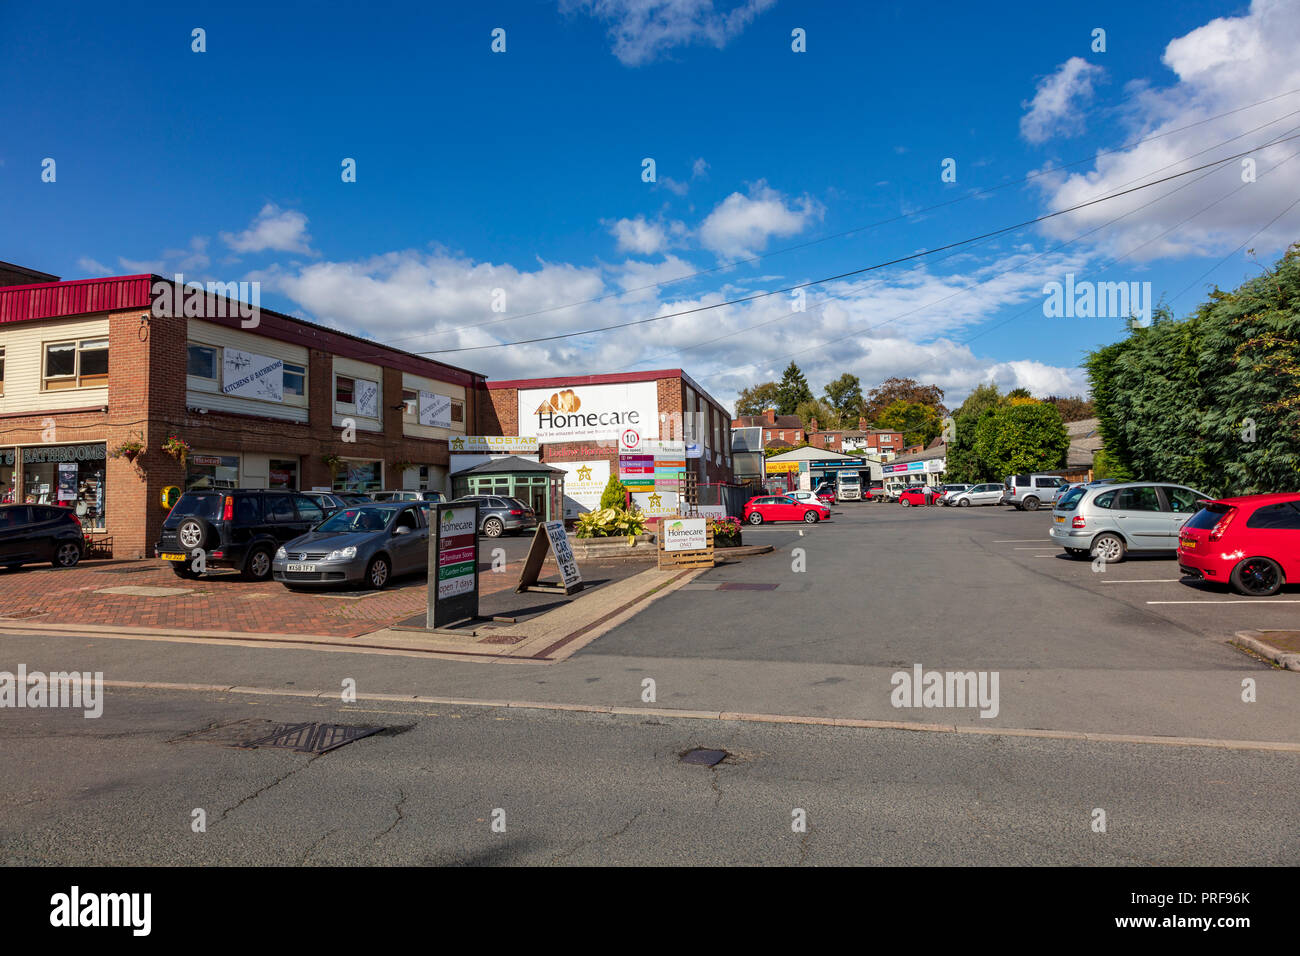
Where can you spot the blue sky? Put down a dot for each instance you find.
(522, 171)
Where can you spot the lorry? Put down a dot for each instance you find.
(849, 486)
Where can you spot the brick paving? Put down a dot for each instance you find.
(217, 603)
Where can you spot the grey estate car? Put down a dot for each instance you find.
(367, 544)
(1108, 521)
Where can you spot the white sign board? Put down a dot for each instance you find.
(435, 410)
(564, 559)
(712, 511)
(494, 444)
(656, 504)
(584, 483)
(247, 375)
(684, 534)
(365, 397)
(589, 412)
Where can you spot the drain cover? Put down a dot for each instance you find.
(703, 757)
(310, 738)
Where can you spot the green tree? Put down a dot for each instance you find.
(1012, 439)
(905, 389)
(845, 396)
(827, 417)
(1073, 408)
(984, 396)
(961, 461)
(792, 390)
(919, 423)
(614, 495)
(756, 399)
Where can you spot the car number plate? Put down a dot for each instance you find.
(171, 556)
(300, 567)
(1188, 545)
(1059, 519)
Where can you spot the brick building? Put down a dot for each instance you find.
(779, 431)
(90, 367)
(578, 421)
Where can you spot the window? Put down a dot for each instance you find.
(295, 379)
(1106, 500)
(1183, 500)
(247, 509)
(202, 362)
(1142, 498)
(1280, 517)
(2, 370)
(344, 388)
(457, 412)
(308, 510)
(782, 436)
(76, 364)
(279, 508)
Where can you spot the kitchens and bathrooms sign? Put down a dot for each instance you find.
(247, 375)
(589, 412)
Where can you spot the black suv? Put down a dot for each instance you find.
(30, 533)
(240, 528)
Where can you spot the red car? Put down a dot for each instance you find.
(916, 496)
(781, 508)
(826, 495)
(1251, 543)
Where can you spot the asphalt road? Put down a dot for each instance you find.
(611, 790)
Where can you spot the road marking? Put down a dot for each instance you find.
(1259, 601)
(1019, 541)
(1146, 581)
(853, 722)
(1046, 547)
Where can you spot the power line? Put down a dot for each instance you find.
(865, 269)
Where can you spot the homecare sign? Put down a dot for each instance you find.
(589, 412)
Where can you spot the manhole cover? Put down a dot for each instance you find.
(150, 567)
(704, 757)
(144, 591)
(310, 738)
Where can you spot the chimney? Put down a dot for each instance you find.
(769, 416)
(862, 423)
(812, 426)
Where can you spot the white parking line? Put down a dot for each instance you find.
(1046, 547)
(1146, 581)
(1019, 541)
(1259, 601)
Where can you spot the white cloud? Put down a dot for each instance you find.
(1229, 63)
(643, 29)
(644, 237)
(93, 266)
(274, 229)
(699, 168)
(1056, 109)
(740, 225)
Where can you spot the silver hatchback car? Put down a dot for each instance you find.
(366, 544)
(1109, 521)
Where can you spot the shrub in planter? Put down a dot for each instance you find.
(609, 523)
(726, 532)
(614, 495)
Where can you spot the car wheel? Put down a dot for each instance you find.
(493, 527)
(1031, 504)
(905, 503)
(182, 569)
(377, 572)
(257, 566)
(67, 555)
(1108, 547)
(810, 517)
(964, 503)
(1257, 577)
(755, 518)
(193, 532)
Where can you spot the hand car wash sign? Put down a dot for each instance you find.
(589, 412)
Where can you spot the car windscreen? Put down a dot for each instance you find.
(204, 506)
(1207, 517)
(357, 519)
(1070, 500)
(357, 499)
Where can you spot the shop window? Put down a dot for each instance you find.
(206, 472)
(201, 362)
(358, 476)
(457, 412)
(284, 474)
(295, 379)
(344, 390)
(76, 364)
(71, 476)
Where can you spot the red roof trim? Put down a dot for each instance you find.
(571, 380)
(50, 300)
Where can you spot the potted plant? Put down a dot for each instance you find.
(726, 532)
(130, 450)
(178, 448)
(332, 462)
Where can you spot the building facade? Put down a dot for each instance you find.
(94, 382)
(579, 421)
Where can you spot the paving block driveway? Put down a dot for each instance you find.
(146, 594)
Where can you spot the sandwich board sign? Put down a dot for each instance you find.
(453, 565)
(550, 536)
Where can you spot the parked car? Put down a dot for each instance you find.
(366, 544)
(404, 495)
(500, 515)
(1252, 543)
(332, 501)
(783, 508)
(241, 528)
(1061, 491)
(826, 494)
(917, 495)
(989, 493)
(32, 533)
(807, 498)
(948, 492)
(1111, 520)
(1027, 492)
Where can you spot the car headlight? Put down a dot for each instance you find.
(280, 553)
(342, 554)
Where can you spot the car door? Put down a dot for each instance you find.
(310, 512)
(407, 548)
(282, 521)
(44, 527)
(15, 528)
(1179, 505)
(1274, 532)
(1139, 513)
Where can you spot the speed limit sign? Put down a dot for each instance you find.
(630, 440)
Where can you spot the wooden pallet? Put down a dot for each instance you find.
(669, 560)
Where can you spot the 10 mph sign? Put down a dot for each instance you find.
(630, 440)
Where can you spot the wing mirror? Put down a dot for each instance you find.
(401, 529)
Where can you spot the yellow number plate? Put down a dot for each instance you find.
(173, 557)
